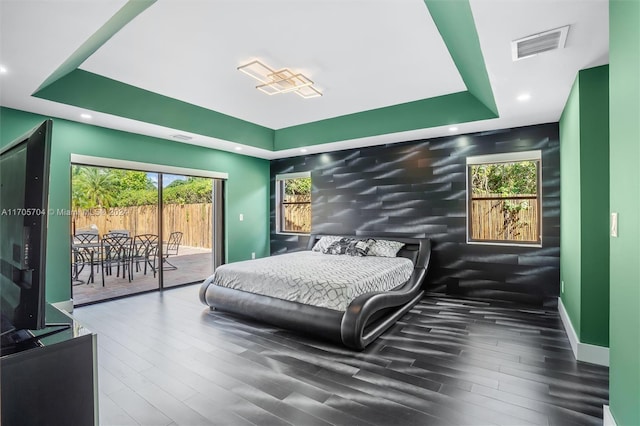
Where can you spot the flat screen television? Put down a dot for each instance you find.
(24, 204)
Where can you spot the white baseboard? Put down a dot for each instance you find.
(65, 305)
(582, 351)
(568, 328)
(608, 419)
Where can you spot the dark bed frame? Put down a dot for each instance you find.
(366, 318)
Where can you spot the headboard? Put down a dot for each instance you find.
(418, 250)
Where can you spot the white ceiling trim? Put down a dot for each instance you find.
(145, 167)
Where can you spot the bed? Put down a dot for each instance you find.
(349, 299)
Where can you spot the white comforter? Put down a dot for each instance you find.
(312, 278)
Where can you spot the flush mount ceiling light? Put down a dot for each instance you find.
(280, 81)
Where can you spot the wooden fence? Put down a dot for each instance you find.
(297, 218)
(297, 213)
(193, 220)
(488, 221)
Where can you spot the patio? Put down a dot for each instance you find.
(193, 264)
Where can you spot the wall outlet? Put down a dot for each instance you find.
(253, 255)
(241, 217)
(562, 286)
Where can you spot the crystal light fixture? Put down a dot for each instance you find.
(280, 81)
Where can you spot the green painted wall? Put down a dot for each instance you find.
(624, 62)
(570, 259)
(247, 189)
(584, 214)
(594, 189)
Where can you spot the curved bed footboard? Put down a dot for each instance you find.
(361, 323)
(369, 315)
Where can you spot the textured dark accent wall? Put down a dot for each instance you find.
(419, 189)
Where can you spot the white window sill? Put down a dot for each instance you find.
(508, 244)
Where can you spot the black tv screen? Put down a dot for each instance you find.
(24, 193)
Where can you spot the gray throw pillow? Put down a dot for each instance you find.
(385, 248)
(324, 242)
(339, 247)
(360, 247)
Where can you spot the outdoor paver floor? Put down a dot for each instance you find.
(193, 264)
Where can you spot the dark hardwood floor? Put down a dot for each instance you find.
(165, 360)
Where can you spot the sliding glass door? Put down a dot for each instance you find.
(112, 209)
(187, 229)
(133, 231)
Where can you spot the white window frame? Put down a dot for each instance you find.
(218, 222)
(507, 157)
(115, 163)
(279, 179)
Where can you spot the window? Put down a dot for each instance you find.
(504, 194)
(293, 199)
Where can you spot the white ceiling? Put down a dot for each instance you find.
(362, 54)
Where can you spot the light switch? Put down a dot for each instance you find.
(614, 224)
(241, 217)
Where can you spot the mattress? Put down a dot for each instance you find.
(312, 278)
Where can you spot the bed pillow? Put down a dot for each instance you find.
(324, 242)
(339, 246)
(360, 247)
(385, 248)
(350, 246)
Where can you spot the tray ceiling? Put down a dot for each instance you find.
(390, 70)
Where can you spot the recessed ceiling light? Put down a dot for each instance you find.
(303, 149)
(524, 97)
(453, 129)
(3, 70)
(238, 148)
(85, 116)
(182, 137)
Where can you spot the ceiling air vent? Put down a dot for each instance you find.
(535, 44)
(182, 137)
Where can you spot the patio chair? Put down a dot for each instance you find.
(116, 251)
(145, 249)
(170, 248)
(78, 263)
(85, 249)
(118, 232)
(89, 233)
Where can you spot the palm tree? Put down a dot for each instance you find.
(92, 187)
